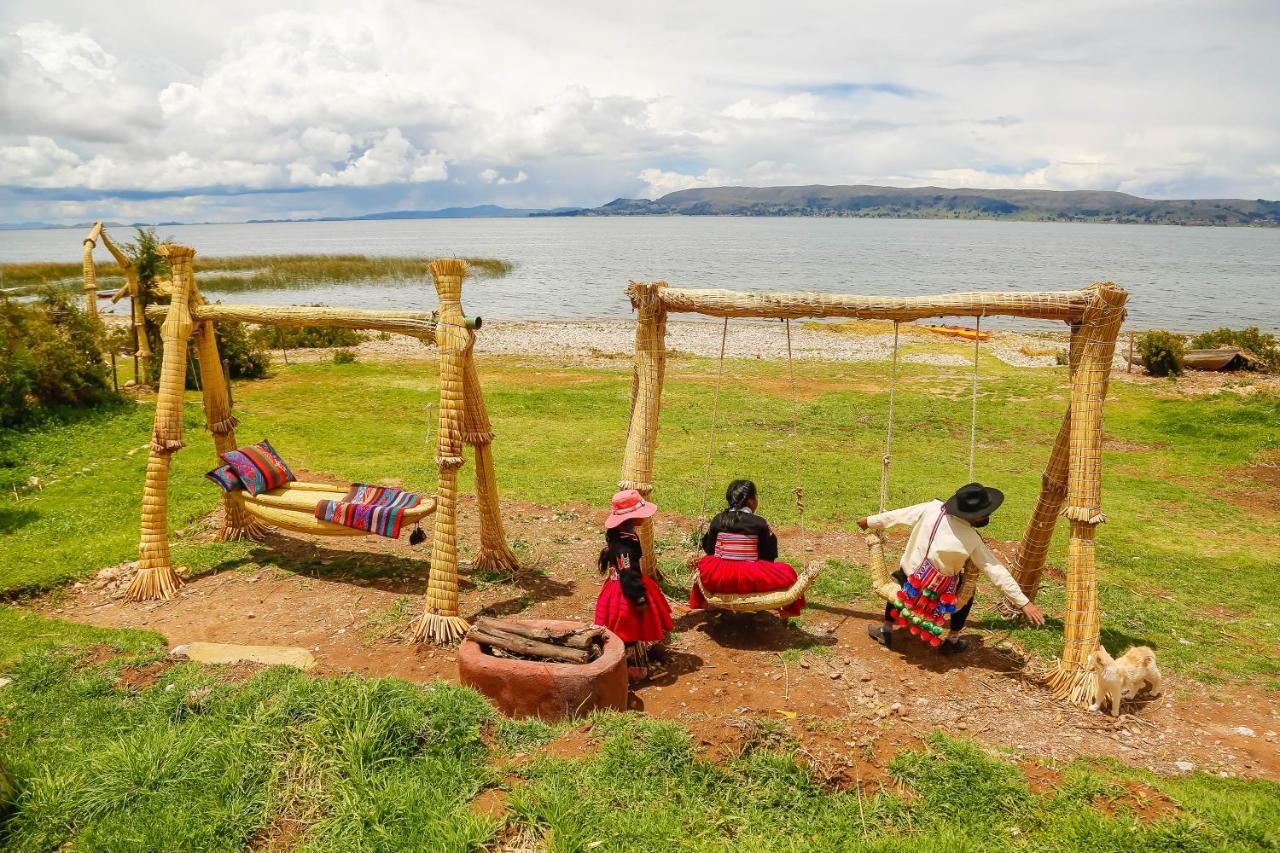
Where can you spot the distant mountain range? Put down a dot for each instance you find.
(939, 203)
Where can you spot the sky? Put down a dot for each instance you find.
(226, 110)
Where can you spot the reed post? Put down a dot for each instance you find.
(90, 273)
(1073, 677)
(648, 370)
(156, 577)
(440, 621)
(132, 289)
(1028, 560)
(477, 431)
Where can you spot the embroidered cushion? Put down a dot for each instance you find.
(226, 478)
(259, 467)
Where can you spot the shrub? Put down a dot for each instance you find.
(50, 355)
(1162, 352)
(245, 360)
(344, 356)
(144, 252)
(1251, 340)
(319, 337)
(1061, 357)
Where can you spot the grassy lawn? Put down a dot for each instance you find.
(1185, 560)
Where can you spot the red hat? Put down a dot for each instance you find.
(629, 503)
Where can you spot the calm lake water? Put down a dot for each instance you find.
(1182, 278)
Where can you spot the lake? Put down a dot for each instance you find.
(569, 268)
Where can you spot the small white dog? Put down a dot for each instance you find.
(1125, 677)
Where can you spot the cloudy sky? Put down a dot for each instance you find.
(225, 110)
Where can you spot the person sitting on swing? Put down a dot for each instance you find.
(942, 544)
(741, 553)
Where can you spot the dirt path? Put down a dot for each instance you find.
(848, 703)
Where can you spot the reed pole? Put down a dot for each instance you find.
(90, 273)
(1073, 678)
(648, 370)
(156, 577)
(477, 431)
(440, 621)
(132, 289)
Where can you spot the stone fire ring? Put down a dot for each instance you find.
(548, 691)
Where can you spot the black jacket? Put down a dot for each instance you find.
(623, 551)
(747, 523)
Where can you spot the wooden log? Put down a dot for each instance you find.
(577, 638)
(524, 646)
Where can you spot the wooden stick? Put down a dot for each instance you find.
(577, 638)
(524, 646)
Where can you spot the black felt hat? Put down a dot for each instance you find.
(974, 501)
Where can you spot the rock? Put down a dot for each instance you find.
(962, 726)
(231, 653)
(896, 709)
(5, 682)
(804, 664)
(1184, 766)
(168, 688)
(77, 585)
(866, 676)
(178, 652)
(251, 615)
(836, 675)
(1244, 731)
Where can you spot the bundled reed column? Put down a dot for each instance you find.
(1073, 677)
(156, 577)
(440, 622)
(90, 273)
(133, 289)
(477, 431)
(648, 371)
(1028, 560)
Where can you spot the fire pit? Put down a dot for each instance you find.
(548, 691)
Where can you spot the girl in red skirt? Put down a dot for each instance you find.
(741, 553)
(630, 603)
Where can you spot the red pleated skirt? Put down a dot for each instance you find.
(719, 576)
(634, 624)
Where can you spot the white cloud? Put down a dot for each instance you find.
(556, 105)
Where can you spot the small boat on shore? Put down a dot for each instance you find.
(959, 332)
(1222, 358)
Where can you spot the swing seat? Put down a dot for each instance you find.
(755, 602)
(293, 507)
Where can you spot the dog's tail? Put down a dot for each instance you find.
(1101, 658)
(1143, 654)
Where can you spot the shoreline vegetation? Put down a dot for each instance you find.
(237, 273)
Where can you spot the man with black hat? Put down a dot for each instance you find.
(943, 543)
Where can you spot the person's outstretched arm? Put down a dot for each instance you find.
(904, 517)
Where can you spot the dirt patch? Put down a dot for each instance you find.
(284, 834)
(576, 743)
(843, 703)
(492, 802)
(142, 677)
(99, 654)
(1040, 779)
(1142, 801)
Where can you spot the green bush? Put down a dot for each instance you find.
(344, 356)
(245, 359)
(1251, 340)
(51, 354)
(318, 337)
(1162, 352)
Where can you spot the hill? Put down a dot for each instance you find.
(940, 203)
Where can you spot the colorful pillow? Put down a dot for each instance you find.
(259, 467)
(226, 478)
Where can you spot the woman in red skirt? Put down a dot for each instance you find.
(741, 553)
(630, 603)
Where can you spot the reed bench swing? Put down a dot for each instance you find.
(462, 421)
(1070, 485)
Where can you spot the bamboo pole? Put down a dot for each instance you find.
(1027, 565)
(477, 431)
(1067, 305)
(156, 577)
(417, 324)
(440, 622)
(90, 273)
(648, 370)
(1073, 678)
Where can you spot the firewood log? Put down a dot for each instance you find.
(524, 646)
(576, 638)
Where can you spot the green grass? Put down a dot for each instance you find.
(194, 762)
(253, 272)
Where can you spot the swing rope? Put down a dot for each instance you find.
(888, 439)
(973, 418)
(711, 446)
(798, 489)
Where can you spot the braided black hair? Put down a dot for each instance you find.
(739, 493)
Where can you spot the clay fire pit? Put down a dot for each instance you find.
(548, 691)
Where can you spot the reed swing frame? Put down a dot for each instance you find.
(463, 420)
(1070, 485)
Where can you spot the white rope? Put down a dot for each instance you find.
(715, 414)
(888, 439)
(973, 418)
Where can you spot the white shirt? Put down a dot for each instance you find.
(955, 545)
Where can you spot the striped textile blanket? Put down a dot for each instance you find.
(373, 509)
